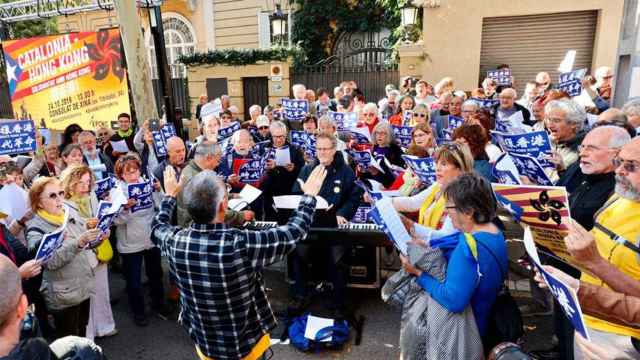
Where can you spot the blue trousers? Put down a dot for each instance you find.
(132, 266)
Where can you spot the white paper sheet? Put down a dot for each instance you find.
(362, 130)
(14, 202)
(283, 157)
(245, 197)
(292, 201)
(392, 220)
(119, 146)
(530, 246)
(315, 324)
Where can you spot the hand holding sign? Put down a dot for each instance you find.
(567, 279)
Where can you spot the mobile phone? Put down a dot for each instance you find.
(154, 125)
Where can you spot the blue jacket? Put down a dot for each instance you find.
(340, 177)
(463, 285)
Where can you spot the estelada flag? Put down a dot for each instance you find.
(545, 209)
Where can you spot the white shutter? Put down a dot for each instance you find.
(264, 31)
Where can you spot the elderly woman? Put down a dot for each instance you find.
(476, 256)
(452, 160)
(134, 245)
(469, 107)
(422, 145)
(476, 138)
(45, 162)
(406, 103)
(72, 155)
(384, 145)
(565, 121)
(68, 279)
(78, 182)
(369, 116)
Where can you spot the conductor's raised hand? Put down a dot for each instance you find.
(313, 184)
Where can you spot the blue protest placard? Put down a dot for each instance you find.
(502, 77)
(485, 103)
(505, 171)
(344, 120)
(364, 159)
(360, 135)
(361, 215)
(159, 144)
(453, 122)
(295, 110)
(104, 186)
(225, 133)
(531, 168)
(423, 168)
(535, 144)
(168, 130)
(305, 141)
(106, 215)
(407, 115)
(141, 192)
(403, 135)
(571, 82)
(17, 136)
(251, 171)
(52, 241)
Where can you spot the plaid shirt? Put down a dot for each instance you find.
(218, 271)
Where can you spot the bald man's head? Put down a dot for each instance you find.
(11, 286)
(614, 116)
(176, 151)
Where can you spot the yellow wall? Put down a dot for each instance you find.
(198, 76)
(453, 33)
(236, 23)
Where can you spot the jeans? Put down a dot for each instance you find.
(72, 320)
(132, 268)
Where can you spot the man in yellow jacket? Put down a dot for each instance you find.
(609, 262)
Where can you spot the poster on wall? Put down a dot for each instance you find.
(74, 78)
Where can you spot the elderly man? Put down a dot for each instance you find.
(632, 110)
(543, 80)
(389, 105)
(262, 134)
(280, 177)
(99, 163)
(440, 117)
(176, 156)
(254, 112)
(242, 145)
(341, 192)
(224, 307)
(206, 157)
(13, 309)
(608, 262)
(469, 107)
(565, 122)
(508, 106)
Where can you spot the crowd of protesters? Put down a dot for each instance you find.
(215, 263)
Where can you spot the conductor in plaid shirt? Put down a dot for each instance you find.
(218, 269)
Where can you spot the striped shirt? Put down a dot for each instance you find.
(218, 271)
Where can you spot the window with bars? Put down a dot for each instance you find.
(179, 39)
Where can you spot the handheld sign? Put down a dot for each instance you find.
(566, 296)
(485, 103)
(407, 115)
(361, 135)
(305, 141)
(52, 241)
(295, 110)
(344, 120)
(106, 215)
(141, 192)
(226, 133)
(534, 144)
(505, 170)
(423, 168)
(502, 77)
(402, 135)
(531, 168)
(251, 171)
(211, 108)
(545, 209)
(104, 186)
(571, 82)
(453, 122)
(17, 136)
(361, 216)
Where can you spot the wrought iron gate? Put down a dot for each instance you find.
(364, 58)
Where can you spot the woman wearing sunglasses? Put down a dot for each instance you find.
(68, 278)
(451, 160)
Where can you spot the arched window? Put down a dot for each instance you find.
(179, 39)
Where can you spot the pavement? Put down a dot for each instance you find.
(166, 339)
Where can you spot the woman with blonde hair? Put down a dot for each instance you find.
(78, 182)
(68, 278)
(422, 145)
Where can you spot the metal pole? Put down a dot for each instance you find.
(137, 62)
(164, 75)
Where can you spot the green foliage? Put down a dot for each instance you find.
(238, 57)
(318, 23)
(30, 28)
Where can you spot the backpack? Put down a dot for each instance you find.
(339, 334)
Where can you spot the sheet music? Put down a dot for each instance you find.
(283, 157)
(120, 146)
(248, 195)
(292, 201)
(394, 225)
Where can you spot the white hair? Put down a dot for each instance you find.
(277, 125)
(470, 103)
(602, 71)
(370, 107)
(512, 91)
(236, 135)
(208, 118)
(299, 86)
(574, 113)
(632, 107)
(325, 119)
(257, 108)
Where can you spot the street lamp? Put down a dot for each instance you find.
(278, 21)
(408, 15)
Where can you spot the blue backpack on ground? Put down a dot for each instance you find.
(339, 334)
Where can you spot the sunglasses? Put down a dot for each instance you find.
(422, 115)
(263, 128)
(629, 166)
(54, 196)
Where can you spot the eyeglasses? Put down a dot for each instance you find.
(629, 166)
(263, 128)
(451, 207)
(278, 136)
(54, 196)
